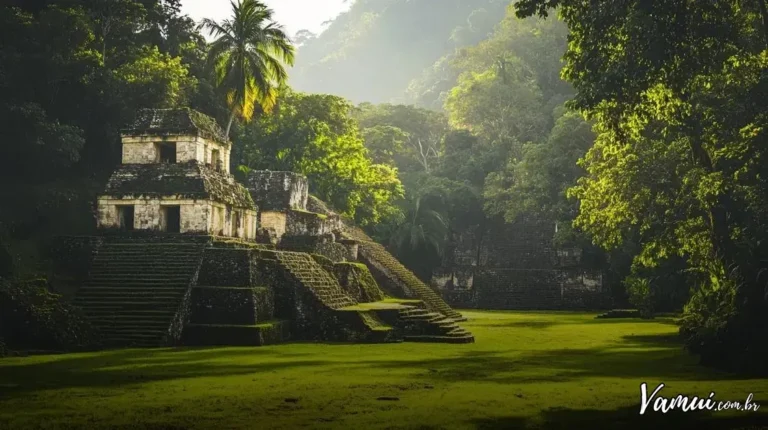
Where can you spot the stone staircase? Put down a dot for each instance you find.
(135, 289)
(421, 325)
(312, 275)
(379, 331)
(377, 258)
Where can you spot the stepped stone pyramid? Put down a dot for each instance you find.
(185, 255)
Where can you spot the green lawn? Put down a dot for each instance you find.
(535, 370)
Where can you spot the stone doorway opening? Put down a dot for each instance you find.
(172, 219)
(125, 217)
(166, 152)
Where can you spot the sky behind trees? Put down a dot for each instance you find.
(294, 15)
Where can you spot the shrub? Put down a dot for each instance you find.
(31, 317)
(725, 330)
(640, 295)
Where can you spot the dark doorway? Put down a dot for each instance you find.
(166, 152)
(172, 219)
(215, 159)
(236, 225)
(125, 217)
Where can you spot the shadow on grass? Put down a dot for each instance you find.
(665, 321)
(132, 366)
(638, 357)
(625, 419)
(655, 340)
(522, 324)
(565, 320)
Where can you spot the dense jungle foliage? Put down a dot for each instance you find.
(638, 128)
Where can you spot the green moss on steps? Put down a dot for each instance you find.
(400, 279)
(357, 281)
(310, 214)
(137, 293)
(266, 333)
(231, 305)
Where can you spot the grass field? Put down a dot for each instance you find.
(526, 370)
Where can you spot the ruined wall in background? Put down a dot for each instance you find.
(278, 191)
(516, 266)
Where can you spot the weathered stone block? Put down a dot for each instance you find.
(231, 305)
(358, 282)
(278, 191)
(226, 267)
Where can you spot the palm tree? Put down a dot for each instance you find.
(423, 228)
(247, 58)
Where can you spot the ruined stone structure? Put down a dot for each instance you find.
(516, 266)
(287, 267)
(175, 178)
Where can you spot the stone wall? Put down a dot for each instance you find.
(516, 266)
(143, 149)
(278, 191)
(358, 282)
(273, 220)
(320, 245)
(197, 216)
(300, 222)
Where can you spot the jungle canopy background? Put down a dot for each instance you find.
(637, 128)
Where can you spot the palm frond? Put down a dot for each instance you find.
(249, 57)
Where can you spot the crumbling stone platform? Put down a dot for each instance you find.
(186, 255)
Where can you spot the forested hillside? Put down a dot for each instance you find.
(638, 128)
(379, 48)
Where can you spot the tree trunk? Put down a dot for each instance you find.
(764, 15)
(718, 215)
(229, 123)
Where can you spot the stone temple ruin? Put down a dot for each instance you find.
(185, 255)
(516, 266)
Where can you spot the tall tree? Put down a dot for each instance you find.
(248, 58)
(679, 94)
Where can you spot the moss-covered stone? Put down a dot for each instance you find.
(226, 267)
(358, 282)
(324, 261)
(398, 281)
(278, 191)
(161, 122)
(322, 245)
(138, 290)
(231, 305)
(266, 333)
(301, 222)
(190, 180)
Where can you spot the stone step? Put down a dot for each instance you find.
(425, 317)
(148, 335)
(111, 292)
(144, 277)
(127, 329)
(130, 316)
(115, 306)
(439, 339)
(133, 270)
(137, 340)
(148, 254)
(136, 283)
(100, 300)
(123, 263)
(133, 315)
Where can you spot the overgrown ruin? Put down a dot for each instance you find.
(517, 266)
(186, 255)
